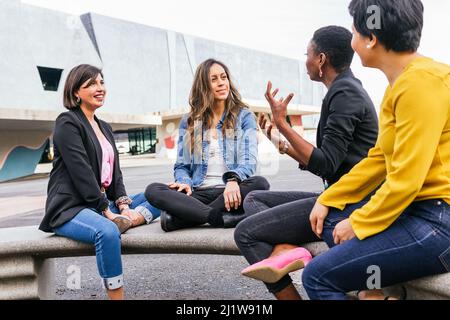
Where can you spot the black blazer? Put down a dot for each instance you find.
(75, 180)
(348, 129)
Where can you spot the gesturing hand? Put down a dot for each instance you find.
(318, 215)
(270, 130)
(278, 107)
(181, 187)
(232, 196)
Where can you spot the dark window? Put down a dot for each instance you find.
(50, 78)
(140, 141)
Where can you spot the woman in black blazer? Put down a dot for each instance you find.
(86, 198)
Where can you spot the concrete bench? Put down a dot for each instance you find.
(27, 271)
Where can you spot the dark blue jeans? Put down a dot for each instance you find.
(416, 245)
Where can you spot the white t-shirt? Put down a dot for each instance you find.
(216, 166)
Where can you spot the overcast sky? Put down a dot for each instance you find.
(282, 27)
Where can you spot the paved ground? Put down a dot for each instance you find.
(152, 276)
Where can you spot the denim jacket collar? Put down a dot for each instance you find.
(240, 152)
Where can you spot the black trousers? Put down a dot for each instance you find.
(198, 208)
(276, 217)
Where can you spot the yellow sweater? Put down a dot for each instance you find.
(411, 159)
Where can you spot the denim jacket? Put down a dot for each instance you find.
(239, 150)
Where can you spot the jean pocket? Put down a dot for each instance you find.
(445, 259)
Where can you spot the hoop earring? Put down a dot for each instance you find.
(78, 100)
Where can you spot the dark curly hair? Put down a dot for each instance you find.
(336, 43)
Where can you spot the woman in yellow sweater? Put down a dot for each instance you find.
(388, 220)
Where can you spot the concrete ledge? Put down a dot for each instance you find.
(19, 289)
(21, 266)
(26, 270)
(26, 277)
(429, 288)
(142, 240)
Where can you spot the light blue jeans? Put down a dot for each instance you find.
(89, 226)
(139, 200)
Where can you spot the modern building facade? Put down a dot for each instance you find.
(148, 72)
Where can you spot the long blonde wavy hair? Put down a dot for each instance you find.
(201, 100)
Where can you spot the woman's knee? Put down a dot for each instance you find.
(260, 183)
(108, 232)
(249, 201)
(152, 192)
(246, 234)
(241, 233)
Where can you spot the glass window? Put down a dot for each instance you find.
(50, 78)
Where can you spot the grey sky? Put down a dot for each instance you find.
(282, 27)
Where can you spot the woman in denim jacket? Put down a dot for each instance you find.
(217, 157)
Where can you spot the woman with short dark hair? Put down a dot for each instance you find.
(279, 220)
(391, 212)
(86, 198)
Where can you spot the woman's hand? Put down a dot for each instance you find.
(110, 215)
(318, 215)
(270, 131)
(232, 195)
(278, 107)
(265, 125)
(181, 187)
(343, 232)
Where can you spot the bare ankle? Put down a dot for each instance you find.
(281, 248)
(117, 294)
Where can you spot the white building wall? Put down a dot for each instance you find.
(31, 37)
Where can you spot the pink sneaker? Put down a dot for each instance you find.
(272, 269)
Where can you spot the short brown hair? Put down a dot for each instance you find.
(77, 76)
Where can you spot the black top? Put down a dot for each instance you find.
(348, 128)
(75, 180)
